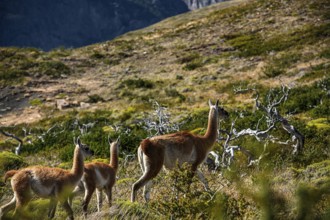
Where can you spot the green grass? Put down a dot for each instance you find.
(316, 72)
(248, 44)
(16, 64)
(278, 65)
(35, 102)
(320, 123)
(309, 98)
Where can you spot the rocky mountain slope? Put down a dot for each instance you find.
(197, 4)
(187, 58)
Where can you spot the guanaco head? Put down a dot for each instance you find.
(223, 114)
(116, 142)
(86, 151)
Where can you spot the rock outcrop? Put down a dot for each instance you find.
(196, 4)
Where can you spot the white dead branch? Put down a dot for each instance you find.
(20, 142)
(159, 122)
(272, 116)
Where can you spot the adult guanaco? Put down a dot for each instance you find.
(169, 149)
(99, 176)
(46, 182)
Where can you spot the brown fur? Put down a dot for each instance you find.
(9, 174)
(46, 182)
(99, 176)
(167, 150)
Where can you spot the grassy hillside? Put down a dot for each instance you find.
(181, 63)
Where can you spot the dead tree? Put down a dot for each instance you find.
(272, 116)
(20, 142)
(228, 154)
(83, 128)
(159, 122)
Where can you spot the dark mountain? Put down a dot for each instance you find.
(48, 24)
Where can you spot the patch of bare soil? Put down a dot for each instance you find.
(26, 104)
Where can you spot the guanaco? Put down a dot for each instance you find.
(99, 176)
(169, 149)
(46, 182)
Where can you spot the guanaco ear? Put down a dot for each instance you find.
(118, 140)
(217, 103)
(78, 141)
(210, 104)
(109, 139)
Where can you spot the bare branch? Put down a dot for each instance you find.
(271, 117)
(20, 145)
(159, 122)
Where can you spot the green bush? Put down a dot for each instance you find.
(137, 83)
(60, 52)
(54, 68)
(196, 63)
(97, 55)
(10, 161)
(197, 119)
(95, 98)
(226, 206)
(189, 57)
(186, 200)
(306, 98)
(12, 75)
(174, 93)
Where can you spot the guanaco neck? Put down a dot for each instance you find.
(212, 128)
(114, 156)
(78, 163)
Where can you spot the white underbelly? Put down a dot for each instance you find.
(101, 181)
(41, 190)
(173, 158)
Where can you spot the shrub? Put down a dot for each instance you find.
(197, 119)
(227, 207)
(174, 93)
(97, 55)
(186, 200)
(187, 58)
(9, 161)
(60, 52)
(194, 64)
(307, 98)
(12, 75)
(137, 83)
(54, 68)
(95, 98)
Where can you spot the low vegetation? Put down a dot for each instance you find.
(181, 63)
